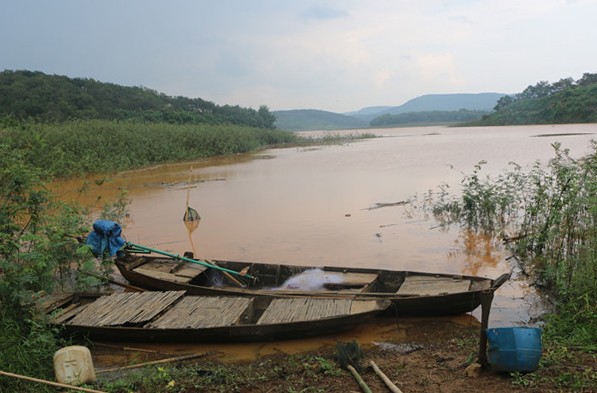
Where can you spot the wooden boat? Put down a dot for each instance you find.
(411, 293)
(174, 316)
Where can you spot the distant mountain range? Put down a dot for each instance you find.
(312, 119)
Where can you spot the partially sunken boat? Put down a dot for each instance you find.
(174, 316)
(411, 293)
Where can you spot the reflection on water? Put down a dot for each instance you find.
(312, 206)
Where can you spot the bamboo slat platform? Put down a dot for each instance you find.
(203, 312)
(127, 308)
(431, 285)
(69, 311)
(304, 309)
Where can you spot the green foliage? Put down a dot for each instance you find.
(427, 117)
(327, 366)
(38, 246)
(562, 102)
(27, 348)
(39, 252)
(552, 211)
(568, 354)
(53, 98)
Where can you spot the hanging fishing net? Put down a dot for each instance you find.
(191, 215)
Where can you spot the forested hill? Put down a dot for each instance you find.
(481, 102)
(312, 119)
(54, 98)
(565, 101)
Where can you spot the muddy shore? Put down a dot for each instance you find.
(417, 356)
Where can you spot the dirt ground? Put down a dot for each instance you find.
(426, 356)
(442, 352)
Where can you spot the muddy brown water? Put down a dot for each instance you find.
(318, 206)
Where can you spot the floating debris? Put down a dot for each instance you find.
(380, 205)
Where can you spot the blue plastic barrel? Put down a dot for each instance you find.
(514, 349)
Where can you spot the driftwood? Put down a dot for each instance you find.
(384, 378)
(167, 360)
(57, 384)
(379, 205)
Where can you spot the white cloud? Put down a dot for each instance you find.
(337, 55)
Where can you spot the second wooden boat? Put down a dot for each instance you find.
(173, 316)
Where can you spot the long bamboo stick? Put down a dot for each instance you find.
(167, 360)
(144, 350)
(57, 384)
(384, 378)
(360, 381)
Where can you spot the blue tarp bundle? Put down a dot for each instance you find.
(105, 236)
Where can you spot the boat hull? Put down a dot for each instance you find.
(146, 317)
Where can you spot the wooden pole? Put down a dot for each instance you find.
(486, 299)
(167, 360)
(384, 378)
(57, 384)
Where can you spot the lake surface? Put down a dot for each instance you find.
(313, 206)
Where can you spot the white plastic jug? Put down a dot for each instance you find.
(73, 365)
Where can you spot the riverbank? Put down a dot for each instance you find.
(424, 355)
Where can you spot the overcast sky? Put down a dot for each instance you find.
(338, 56)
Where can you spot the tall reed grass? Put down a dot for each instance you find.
(99, 146)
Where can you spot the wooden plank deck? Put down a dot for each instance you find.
(203, 312)
(177, 271)
(303, 309)
(125, 308)
(431, 285)
(178, 277)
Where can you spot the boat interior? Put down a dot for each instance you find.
(288, 278)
